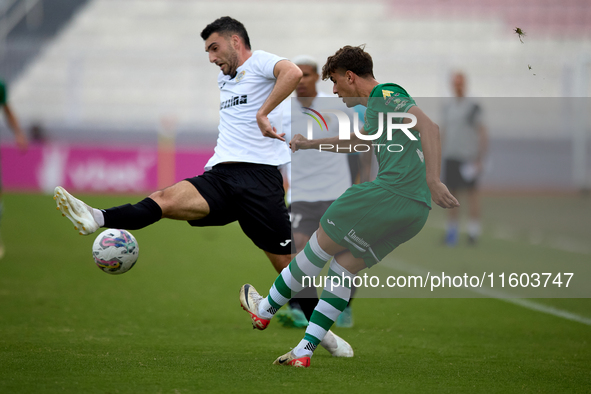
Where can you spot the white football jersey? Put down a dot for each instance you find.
(240, 138)
(316, 176)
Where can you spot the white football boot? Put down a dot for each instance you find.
(290, 359)
(250, 300)
(78, 212)
(336, 345)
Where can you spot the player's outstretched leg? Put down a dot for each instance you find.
(80, 214)
(87, 220)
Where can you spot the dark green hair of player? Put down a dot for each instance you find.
(226, 26)
(350, 58)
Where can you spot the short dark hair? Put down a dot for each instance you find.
(225, 25)
(349, 58)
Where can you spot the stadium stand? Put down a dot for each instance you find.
(134, 61)
(26, 27)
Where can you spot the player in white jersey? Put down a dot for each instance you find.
(241, 182)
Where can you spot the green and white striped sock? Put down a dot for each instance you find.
(333, 301)
(308, 263)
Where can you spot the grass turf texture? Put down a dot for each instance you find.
(173, 323)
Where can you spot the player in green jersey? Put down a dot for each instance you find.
(369, 220)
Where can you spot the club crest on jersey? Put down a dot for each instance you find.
(240, 76)
(389, 98)
(388, 93)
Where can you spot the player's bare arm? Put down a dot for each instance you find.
(288, 76)
(299, 142)
(431, 144)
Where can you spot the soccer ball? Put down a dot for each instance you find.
(115, 251)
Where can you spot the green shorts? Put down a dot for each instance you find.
(371, 221)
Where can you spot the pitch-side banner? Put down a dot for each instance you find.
(86, 168)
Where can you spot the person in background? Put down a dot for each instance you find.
(464, 146)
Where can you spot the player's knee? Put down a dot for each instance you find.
(279, 261)
(157, 196)
(163, 200)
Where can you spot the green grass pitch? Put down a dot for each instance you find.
(173, 323)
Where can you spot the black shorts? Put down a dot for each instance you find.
(453, 176)
(253, 195)
(305, 217)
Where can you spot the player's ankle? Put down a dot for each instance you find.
(98, 216)
(304, 349)
(266, 311)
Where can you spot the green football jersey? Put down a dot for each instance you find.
(401, 161)
(2, 93)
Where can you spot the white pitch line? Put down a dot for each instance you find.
(501, 296)
(547, 309)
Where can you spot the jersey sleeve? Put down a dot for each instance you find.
(384, 99)
(397, 100)
(265, 63)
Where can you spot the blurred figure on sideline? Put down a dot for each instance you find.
(464, 146)
(19, 137)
